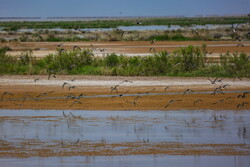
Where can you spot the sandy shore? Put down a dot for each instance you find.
(134, 93)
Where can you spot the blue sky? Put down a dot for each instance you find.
(94, 8)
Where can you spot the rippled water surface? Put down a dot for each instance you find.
(184, 126)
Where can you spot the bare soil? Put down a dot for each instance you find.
(41, 49)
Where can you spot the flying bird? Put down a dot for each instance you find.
(138, 22)
(6, 93)
(75, 102)
(65, 83)
(135, 100)
(60, 44)
(195, 32)
(170, 102)
(239, 44)
(53, 75)
(197, 101)
(152, 50)
(35, 80)
(125, 81)
(211, 52)
(60, 51)
(188, 91)
(76, 47)
(120, 95)
(242, 105)
(72, 87)
(243, 95)
(215, 80)
(165, 89)
(114, 88)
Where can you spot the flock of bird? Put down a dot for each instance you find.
(114, 92)
(218, 90)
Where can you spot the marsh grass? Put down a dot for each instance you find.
(189, 61)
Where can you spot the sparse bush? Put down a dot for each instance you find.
(189, 61)
(111, 60)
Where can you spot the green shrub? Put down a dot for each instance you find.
(111, 60)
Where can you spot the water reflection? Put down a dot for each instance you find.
(93, 131)
(125, 126)
(131, 161)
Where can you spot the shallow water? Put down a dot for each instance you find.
(129, 126)
(131, 161)
(183, 126)
(138, 28)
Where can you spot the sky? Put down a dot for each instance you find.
(121, 8)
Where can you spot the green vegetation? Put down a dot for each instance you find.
(13, 26)
(189, 61)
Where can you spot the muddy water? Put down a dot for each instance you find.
(78, 130)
